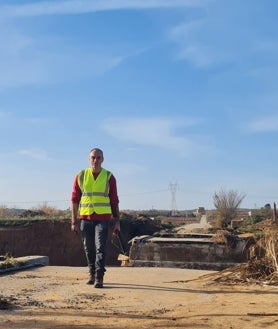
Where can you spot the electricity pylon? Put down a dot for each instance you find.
(173, 189)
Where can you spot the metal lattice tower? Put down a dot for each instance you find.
(173, 189)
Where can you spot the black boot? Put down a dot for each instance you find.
(91, 277)
(99, 280)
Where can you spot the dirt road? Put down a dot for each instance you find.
(58, 297)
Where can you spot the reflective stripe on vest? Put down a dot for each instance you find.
(95, 192)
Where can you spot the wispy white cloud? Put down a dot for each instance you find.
(13, 120)
(26, 61)
(4, 114)
(264, 124)
(129, 169)
(86, 6)
(166, 133)
(213, 38)
(34, 153)
(201, 43)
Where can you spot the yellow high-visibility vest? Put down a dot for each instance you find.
(95, 192)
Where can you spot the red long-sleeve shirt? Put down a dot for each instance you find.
(113, 196)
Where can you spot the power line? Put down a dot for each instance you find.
(142, 193)
(41, 201)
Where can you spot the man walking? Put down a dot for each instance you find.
(95, 202)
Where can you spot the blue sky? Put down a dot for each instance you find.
(181, 95)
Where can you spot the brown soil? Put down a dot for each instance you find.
(58, 297)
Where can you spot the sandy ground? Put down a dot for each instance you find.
(58, 297)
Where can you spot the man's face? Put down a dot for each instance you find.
(96, 159)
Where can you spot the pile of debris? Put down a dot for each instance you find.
(262, 266)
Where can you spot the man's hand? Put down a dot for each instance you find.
(117, 226)
(74, 228)
(74, 217)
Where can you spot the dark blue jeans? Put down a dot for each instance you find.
(94, 237)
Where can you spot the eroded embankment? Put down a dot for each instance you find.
(54, 239)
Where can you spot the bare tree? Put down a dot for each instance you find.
(226, 204)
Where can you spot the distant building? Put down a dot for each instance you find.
(200, 211)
